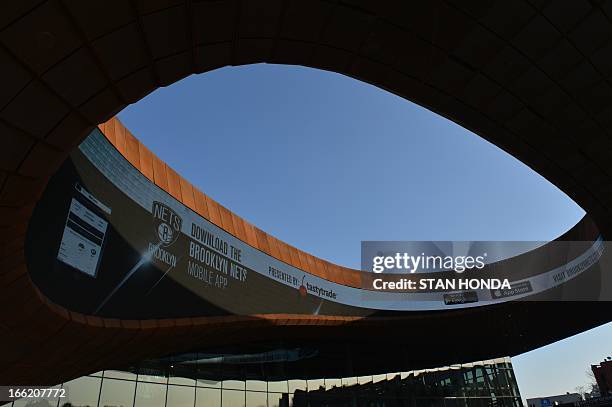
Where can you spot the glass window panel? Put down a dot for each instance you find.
(364, 379)
(232, 398)
(511, 377)
(504, 402)
(490, 373)
(297, 385)
(316, 384)
(274, 399)
(233, 384)
(187, 381)
(501, 378)
(278, 387)
(475, 402)
(331, 383)
(153, 378)
(391, 376)
(150, 395)
(26, 402)
(434, 402)
(97, 374)
(479, 375)
(83, 391)
(256, 399)
(208, 383)
(514, 391)
(349, 381)
(449, 402)
(118, 374)
(379, 377)
(206, 397)
(256, 385)
(117, 393)
(299, 396)
(38, 402)
(181, 396)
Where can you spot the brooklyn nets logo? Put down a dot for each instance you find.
(167, 223)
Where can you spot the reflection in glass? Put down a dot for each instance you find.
(297, 385)
(349, 381)
(186, 381)
(453, 402)
(232, 398)
(208, 383)
(33, 403)
(208, 397)
(181, 396)
(391, 376)
(364, 379)
(256, 399)
(152, 378)
(316, 384)
(331, 383)
(513, 384)
(474, 402)
(233, 384)
(150, 395)
(275, 399)
(117, 393)
(468, 385)
(379, 377)
(39, 402)
(258, 385)
(83, 391)
(278, 387)
(118, 374)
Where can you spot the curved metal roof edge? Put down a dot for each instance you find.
(162, 175)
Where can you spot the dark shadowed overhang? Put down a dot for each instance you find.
(532, 77)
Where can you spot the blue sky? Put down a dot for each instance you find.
(323, 162)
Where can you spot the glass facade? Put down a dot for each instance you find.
(487, 383)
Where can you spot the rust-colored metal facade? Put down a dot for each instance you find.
(533, 77)
(170, 181)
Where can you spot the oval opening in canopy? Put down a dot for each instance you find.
(323, 161)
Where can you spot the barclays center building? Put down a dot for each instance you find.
(185, 313)
(122, 284)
